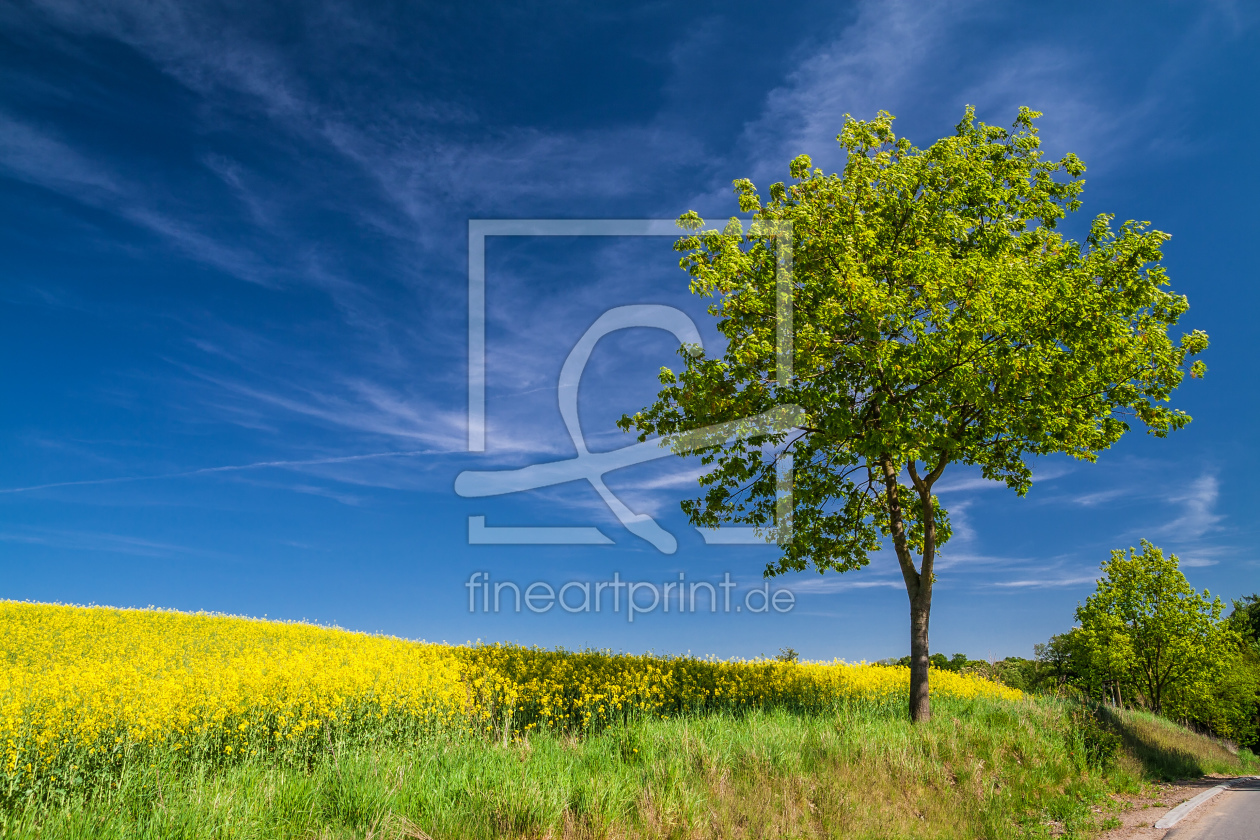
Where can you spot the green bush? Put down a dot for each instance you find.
(1099, 745)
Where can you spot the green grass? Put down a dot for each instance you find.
(978, 769)
(1160, 749)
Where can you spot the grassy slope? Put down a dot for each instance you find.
(1155, 748)
(979, 769)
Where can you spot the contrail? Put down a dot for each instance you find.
(229, 468)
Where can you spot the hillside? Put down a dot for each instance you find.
(130, 723)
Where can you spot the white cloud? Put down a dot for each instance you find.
(38, 157)
(878, 63)
(1198, 516)
(1044, 582)
(1099, 497)
(833, 582)
(289, 464)
(94, 541)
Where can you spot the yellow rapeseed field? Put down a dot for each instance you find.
(86, 690)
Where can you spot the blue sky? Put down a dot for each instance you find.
(233, 296)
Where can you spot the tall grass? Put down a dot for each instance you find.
(982, 768)
(1160, 749)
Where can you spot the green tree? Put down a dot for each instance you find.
(1229, 705)
(939, 318)
(1060, 661)
(1146, 626)
(1242, 688)
(1246, 617)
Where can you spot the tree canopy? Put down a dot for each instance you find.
(1146, 625)
(1246, 617)
(938, 317)
(1147, 638)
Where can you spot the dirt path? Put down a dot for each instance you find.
(1142, 811)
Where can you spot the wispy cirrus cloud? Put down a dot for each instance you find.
(97, 541)
(848, 582)
(924, 63)
(318, 168)
(1048, 582)
(1198, 509)
(293, 464)
(360, 405)
(38, 157)
(876, 63)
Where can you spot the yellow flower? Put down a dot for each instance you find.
(104, 682)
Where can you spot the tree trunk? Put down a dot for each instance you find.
(918, 582)
(920, 707)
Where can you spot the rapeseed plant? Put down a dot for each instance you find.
(88, 691)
